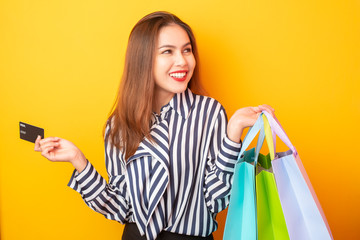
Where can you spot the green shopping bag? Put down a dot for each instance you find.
(270, 218)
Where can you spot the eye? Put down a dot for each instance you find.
(188, 50)
(167, 51)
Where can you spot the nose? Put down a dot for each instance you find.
(180, 60)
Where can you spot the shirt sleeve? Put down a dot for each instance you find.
(222, 157)
(110, 199)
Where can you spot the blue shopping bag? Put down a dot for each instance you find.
(241, 221)
(303, 214)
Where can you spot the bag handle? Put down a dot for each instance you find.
(260, 141)
(268, 133)
(279, 131)
(270, 137)
(258, 126)
(251, 135)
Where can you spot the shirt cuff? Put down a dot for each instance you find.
(228, 156)
(233, 144)
(88, 182)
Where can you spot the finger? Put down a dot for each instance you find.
(256, 109)
(48, 153)
(49, 139)
(268, 109)
(37, 147)
(48, 156)
(49, 144)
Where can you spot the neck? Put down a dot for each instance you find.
(160, 100)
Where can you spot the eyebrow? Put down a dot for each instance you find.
(172, 46)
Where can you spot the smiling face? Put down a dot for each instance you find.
(174, 63)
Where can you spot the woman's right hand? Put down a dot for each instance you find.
(60, 150)
(243, 118)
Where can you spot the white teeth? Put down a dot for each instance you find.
(178, 75)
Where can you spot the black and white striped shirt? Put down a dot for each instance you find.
(177, 183)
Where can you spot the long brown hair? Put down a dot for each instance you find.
(131, 114)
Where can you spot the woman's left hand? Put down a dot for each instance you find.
(243, 118)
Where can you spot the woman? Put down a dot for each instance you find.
(170, 153)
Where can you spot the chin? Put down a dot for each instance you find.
(180, 89)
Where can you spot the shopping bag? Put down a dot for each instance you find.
(241, 215)
(304, 216)
(250, 215)
(270, 218)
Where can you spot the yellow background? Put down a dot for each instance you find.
(60, 65)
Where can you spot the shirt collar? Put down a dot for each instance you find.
(182, 103)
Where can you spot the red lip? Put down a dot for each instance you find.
(179, 71)
(179, 79)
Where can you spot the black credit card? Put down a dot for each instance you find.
(29, 132)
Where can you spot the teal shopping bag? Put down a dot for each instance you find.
(241, 216)
(241, 222)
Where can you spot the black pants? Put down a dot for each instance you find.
(131, 232)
